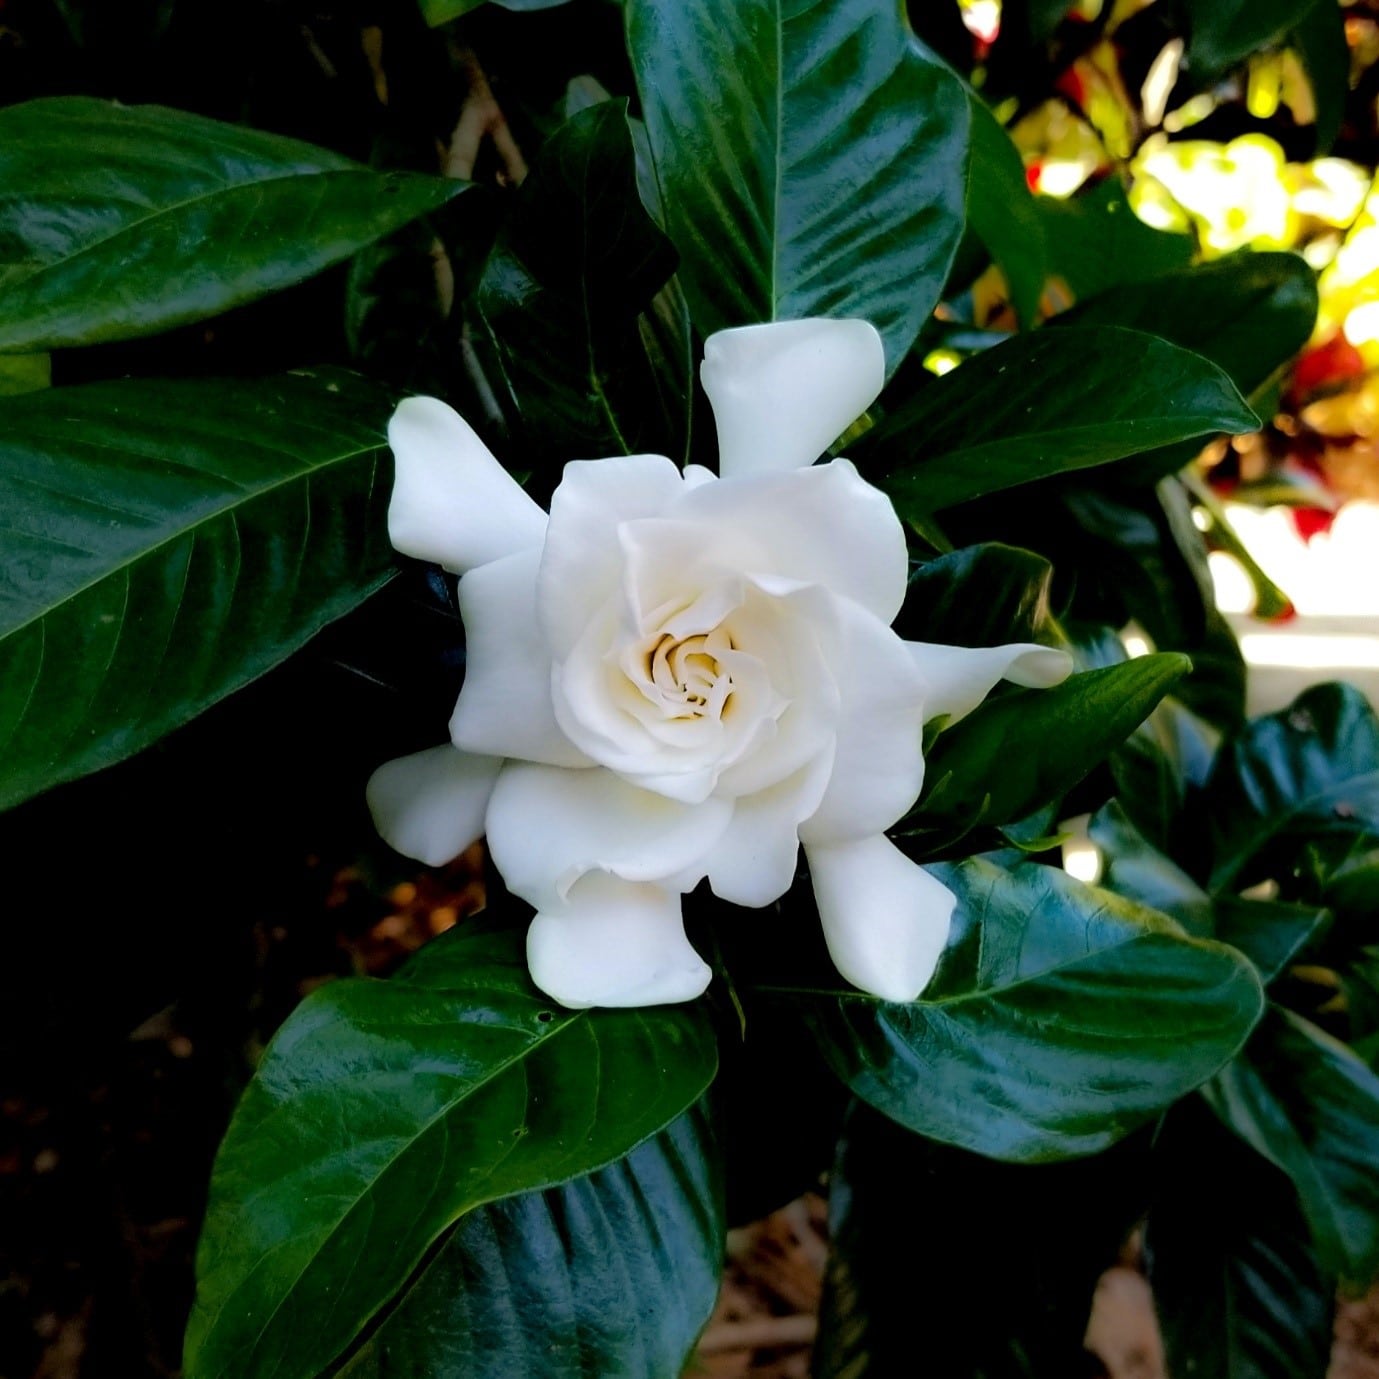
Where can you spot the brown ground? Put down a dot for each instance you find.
(765, 1320)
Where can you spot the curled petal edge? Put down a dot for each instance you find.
(885, 919)
(615, 943)
(431, 805)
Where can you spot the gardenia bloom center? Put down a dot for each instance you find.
(675, 676)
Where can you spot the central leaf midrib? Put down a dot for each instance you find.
(173, 208)
(243, 499)
(473, 1088)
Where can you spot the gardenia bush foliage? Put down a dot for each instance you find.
(743, 576)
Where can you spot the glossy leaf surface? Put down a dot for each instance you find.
(783, 201)
(1060, 1018)
(125, 221)
(984, 595)
(613, 1274)
(1248, 313)
(1027, 747)
(1305, 773)
(1096, 241)
(1225, 32)
(1044, 404)
(167, 542)
(1001, 211)
(404, 1104)
(1311, 1107)
(1238, 1288)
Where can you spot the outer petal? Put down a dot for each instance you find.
(549, 827)
(614, 943)
(505, 705)
(582, 565)
(960, 677)
(879, 766)
(885, 919)
(452, 501)
(824, 525)
(754, 862)
(431, 805)
(782, 392)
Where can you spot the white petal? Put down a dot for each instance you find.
(614, 943)
(960, 677)
(885, 919)
(824, 525)
(548, 827)
(582, 565)
(754, 861)
(431, 805)
(505, 706)
(782, 392)
(879, 766)
(452, 501)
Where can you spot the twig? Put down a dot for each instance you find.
(765, 1333)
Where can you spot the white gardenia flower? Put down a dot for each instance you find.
(676, 676)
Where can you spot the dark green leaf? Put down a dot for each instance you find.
(563, 290)
(1060, 1018)
(1270, 602)
(1046, 15)
(1095, 241)
(1046, 403)
(1239, 1291)
(168, 542)
(1026, 748)
(1216, 688)
(1309, 771)
(1001, 212)
(979, 596)
(1225, 32)
(1139, 557)
(129, 220)
(1354, 885)
(613, 1274)
(893, 1196)
(1311, 1107)
(1320, 40)
(383, 1111)
(1160, 767)
(783, 201)
(1249, 313)
(1270, 933)
(1133, 868)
